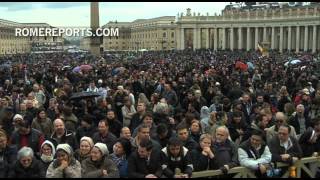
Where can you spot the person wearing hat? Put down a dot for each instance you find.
(118, 97)
(8, 154)
(47, 153)
(86, 144)
(65, 165)
(99, 165)
(27, 136)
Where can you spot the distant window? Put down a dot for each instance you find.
(172, 35)
(164, 35)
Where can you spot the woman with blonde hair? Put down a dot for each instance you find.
(203, 156)
(86, 144)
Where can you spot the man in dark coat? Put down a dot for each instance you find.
(300, 121)
(8, 154)
(115, 125)
(104, 135)
(136, 119)
(225, 151)
(184, 136)
(61, 135)
(27, 136)
(145, 162)
(310, 140)
(175, 158)
(87, 127)
(285, 148)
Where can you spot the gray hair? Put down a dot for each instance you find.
(161, 108)
(225, 128)
(25, 152)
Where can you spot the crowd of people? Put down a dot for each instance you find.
(157, 114)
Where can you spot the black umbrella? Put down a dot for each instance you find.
(84, 95)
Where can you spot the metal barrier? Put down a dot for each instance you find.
(242, 172)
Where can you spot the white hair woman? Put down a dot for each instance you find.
(27, 166)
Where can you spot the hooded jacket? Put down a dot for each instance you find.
(92, 169)
(72, 171)
(53, 150)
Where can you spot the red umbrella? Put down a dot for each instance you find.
(242, 66)
(85, 67)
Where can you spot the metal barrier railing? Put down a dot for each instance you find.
(242, 172)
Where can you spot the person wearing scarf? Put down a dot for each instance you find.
(121, 152)
(47, 153)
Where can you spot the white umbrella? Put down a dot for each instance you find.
(293, 62)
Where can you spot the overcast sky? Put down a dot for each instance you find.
(78, 13)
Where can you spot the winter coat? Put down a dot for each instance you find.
(139, 167)
(225, 154)
(91, 169)
(183, 162)
(79, 157)
(109, 140)
(35, 139)
(35, 170)
(68, 138)
(9, 157)
(308, 148)
(294, 150)
(72, 171)
(45, 127)
(248, 157)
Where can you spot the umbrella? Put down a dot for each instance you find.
(5, 66)
(65, 67)
(86, 67)
(76, 69)
(242, 66)
(293, 62)
(83, 95)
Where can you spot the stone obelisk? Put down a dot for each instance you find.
(94, 23)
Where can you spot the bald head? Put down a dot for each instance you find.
(125, 133)
(281, 119)
(281, 115)
(59, 127)
(300, 108)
